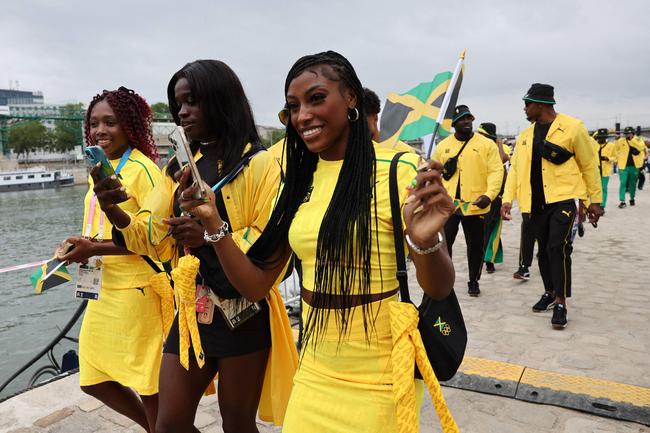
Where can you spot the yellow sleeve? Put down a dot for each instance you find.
(610, 151)
(509, 193)
(584, 155)
(146, 234)
(495, 172)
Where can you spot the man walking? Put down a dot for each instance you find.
(553, 165)
(606, 154)
(472, 175)
(630, 152)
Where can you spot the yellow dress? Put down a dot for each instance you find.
(347, 385)
(121, 334)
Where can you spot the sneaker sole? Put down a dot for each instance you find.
(558, 326)
(474, 295)
(520, 277)
(550, 307)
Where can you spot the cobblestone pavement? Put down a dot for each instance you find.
(607, 338)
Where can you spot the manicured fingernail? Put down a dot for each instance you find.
(113, 177)
(122, 188)
(414, 182)
(409, 199)
(424, 165)
(206, 200)
(418, 210)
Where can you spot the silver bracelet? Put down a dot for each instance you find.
(220, 234)
(421, 251)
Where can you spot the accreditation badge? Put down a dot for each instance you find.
(89, 279)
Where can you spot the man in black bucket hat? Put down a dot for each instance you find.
(553, 165)
(472, 174)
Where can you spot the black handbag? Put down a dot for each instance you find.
(555, 153)
(451, 165)
(441, 323)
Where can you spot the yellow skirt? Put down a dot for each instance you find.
(121, 340)
(347, 386)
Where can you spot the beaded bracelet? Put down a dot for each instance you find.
(421, 251)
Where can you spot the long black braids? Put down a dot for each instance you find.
(343, 253)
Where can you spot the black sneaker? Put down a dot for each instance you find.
(632, 203)
(622, 205)
(559, 317)
(489, 267)
(472, 289)
(546, 301)
(522, 273)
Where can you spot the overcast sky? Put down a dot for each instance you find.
(596, 53)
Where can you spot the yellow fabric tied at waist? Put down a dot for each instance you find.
(407, 347)
(184, 276)
(281, 365)
(161, 285)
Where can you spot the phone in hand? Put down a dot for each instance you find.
(94, 155)
(185, 157)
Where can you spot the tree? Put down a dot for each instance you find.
(27, 137)
(68, 131)
(160, 111)
(272, 137)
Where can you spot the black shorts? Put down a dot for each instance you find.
(219, 341)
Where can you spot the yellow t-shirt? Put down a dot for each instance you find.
(139, 175)
(303, 234)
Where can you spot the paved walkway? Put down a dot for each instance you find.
(608, 337)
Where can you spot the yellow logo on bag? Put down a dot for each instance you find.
(443, 327)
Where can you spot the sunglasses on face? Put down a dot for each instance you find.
(283, 115)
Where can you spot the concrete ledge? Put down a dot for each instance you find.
(595, 396)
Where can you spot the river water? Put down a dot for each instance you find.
(32, 223)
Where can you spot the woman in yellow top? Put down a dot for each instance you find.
(208, 100)
(121, 336)
(334, 214)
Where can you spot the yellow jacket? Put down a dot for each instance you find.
(479, 169)
(607, 150)
(248, 199)
(561, 182)
(623, 147)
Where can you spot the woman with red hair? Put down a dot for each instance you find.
(120, 341)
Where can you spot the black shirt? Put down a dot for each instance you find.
(630, 160)
(536, 182)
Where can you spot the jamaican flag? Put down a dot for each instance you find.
(51, 274)
(413, 114)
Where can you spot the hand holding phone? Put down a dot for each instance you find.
(96, 155)
(185, 158)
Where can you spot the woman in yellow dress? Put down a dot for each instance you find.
(121, 335)
(334, 214)
(255, 360)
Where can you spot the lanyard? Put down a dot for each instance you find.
(93, 202)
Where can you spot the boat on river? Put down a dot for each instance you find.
(34, 178)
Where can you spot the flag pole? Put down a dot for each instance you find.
(445, 102)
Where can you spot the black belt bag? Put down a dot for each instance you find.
(441, 323)
(451, 165)
(554, 153)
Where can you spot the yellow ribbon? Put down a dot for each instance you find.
(407, 347)
(184, 276)
(160, 284)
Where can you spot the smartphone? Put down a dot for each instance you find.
(184, 157)
(94, 155)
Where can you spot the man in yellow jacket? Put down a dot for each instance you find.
(553, 165)
(630, 152)
(472, 175)
(605, 156)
